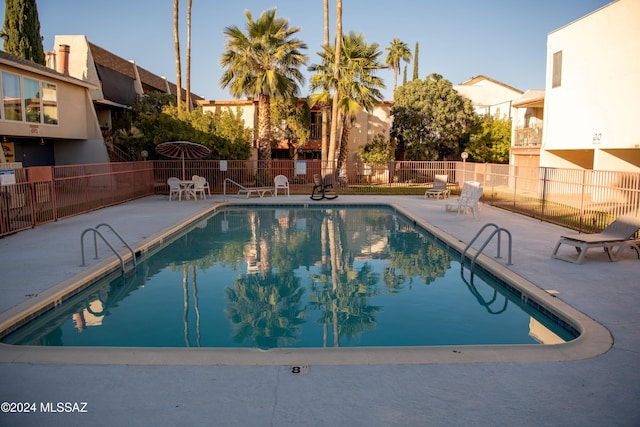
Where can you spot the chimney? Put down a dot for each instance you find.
(63, 59)
(51, 60)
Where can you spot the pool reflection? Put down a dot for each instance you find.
(287, 277)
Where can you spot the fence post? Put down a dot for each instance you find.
(582, 195)
(544, 192)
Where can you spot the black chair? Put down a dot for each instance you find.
(324, 188)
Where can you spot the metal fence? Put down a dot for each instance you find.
(584, 200)
(45, 194)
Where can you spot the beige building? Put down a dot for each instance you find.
(47, 117)
(527, 129)
(591, 103)
(366, 126)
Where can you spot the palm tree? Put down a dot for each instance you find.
(358, 88)
(333, 136)
(263, 63)
(176, 47)
(326, 110)
(398, 51)
(188, 65)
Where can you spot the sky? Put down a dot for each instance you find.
(505, 40)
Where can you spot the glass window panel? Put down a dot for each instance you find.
(50, 103)
(32, 100)
(11, 97)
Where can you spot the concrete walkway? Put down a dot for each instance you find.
(598, 391)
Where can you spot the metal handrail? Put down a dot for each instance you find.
(96, 233)
(497, 230)
(133, 254)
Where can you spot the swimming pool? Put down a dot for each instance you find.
(381, 236)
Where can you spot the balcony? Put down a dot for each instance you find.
(528, 137)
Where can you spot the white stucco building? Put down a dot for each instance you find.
(592, 96)
(489, 96)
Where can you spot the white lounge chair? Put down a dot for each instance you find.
(439, 188)
(468, 200)
(175, 188)
(621, 234)
(281, 181)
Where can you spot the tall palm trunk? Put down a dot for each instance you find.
(326, 111)
(264, 139)
(331, 155)
(344, 143)
(187, 98)
(176, 47)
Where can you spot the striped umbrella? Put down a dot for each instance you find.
(182, 150)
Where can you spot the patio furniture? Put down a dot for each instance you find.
(175, 187)
(439, 188)
(260, 191)
(199, 187)
(281, 181)
(468, 200)
(205, 183)
(618, 236)
(324, 187)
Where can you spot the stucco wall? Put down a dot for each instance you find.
(596, 105)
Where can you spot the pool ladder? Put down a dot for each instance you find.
(97, 233)
(497, 230)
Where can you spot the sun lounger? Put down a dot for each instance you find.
(618, 236)
(439, 188)
(260, 191)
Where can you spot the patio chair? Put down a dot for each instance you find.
(205, 182)
(175, 188)
(618, 236)
(468, 200)
(199, 187)
(281, 181)
(323, 187)
(439, 188)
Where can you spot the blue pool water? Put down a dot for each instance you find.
(289, 276)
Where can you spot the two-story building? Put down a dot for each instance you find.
(366, 126)
(592, 91)
(47, 117)
(489, 96)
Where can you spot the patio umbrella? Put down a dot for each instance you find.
(182, 150)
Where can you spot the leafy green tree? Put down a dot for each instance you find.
(158, 119)
(378, 151)
(358, 87)
(21, 31)
(490, 140)
(431, 121)
(290, 121)
(264, 62)
(397, 51)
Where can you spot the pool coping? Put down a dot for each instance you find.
(593, 341)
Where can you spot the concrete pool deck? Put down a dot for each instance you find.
(601, 390)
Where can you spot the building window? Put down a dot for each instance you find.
(32, 100)
(50, 103)
(11, 97)
(29, 100)
(557, 69)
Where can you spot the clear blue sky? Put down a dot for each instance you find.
(459, 39)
